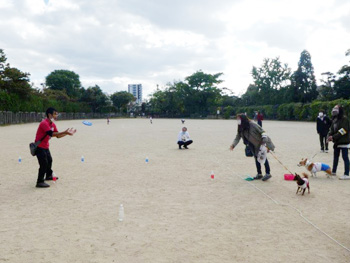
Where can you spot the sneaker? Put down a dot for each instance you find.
(185, 146)
(344, 177)
(334, 174)
(326, 151)
(179, 147)
(258, 177)
(42, 185)
(321, 151)
(266, 177)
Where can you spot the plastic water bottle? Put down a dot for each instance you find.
(212, 175)
(19, 159)
(146, 159)
(121, 212)
(82, 158)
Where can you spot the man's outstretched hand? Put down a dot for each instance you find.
(71, 131)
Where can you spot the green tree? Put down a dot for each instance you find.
(326, 91)
(121, 99)
(14, 81)
(271, 77)
(201, 92)
(303, 83)
(197, 95)
(227, 100)
(64, 80)
(342, 84)
(95, 98)
(252, 96)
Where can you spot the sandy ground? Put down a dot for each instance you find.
(174, 212)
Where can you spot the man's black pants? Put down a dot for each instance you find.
(323, 142)
(180, 143)
(45, 162)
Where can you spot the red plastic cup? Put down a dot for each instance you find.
(212, 176)
(54, 179)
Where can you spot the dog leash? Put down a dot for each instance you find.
(288, 205)
(300, 214)
(314, 155)
(280, 162)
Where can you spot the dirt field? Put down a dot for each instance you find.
(174, 211)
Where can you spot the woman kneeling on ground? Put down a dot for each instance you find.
(253, 137)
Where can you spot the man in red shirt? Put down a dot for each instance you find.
(260, 118)
(46, 130)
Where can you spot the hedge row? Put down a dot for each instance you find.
(290, 111)
(13, 103)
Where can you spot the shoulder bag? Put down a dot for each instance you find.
(34, 145)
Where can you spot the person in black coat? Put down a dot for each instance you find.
(323, 125)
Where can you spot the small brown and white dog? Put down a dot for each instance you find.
(302, 183)
(313, 168)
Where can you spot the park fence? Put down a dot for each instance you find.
(8, 117)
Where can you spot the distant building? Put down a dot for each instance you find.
(136, 90)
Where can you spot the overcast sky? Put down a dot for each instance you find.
(116, 43)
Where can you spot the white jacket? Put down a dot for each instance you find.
(183, 136)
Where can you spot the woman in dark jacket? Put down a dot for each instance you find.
(323, 125)
(253, 136)
(340, 136)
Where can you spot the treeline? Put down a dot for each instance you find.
(276, 91)
(289, 111)
(62, 89)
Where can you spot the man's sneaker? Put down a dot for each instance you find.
(326, 151)
(179, 146)
(334, 174)
(321, 151)
(185, 146)
(42, 185)
(266, 177)
(258, 177)
(344, 177)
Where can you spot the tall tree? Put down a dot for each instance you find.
(64, 80)
(342, 84)
(269, 79)
(12, 80)
(303, 86)
(326, 91)
(202, 91)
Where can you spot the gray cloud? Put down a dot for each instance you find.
(288, 34)
(195, 15)
(145, 41)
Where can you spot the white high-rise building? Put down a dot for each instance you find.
(136, 90)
